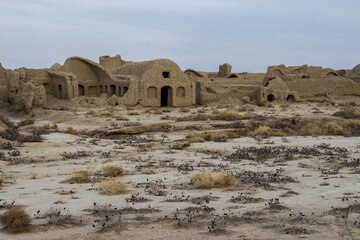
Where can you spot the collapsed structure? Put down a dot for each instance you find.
(159, 83)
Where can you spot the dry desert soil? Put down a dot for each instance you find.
(270, 172)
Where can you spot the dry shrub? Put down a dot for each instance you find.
(166, 110)
(267, 131)
(322, 128)
(16, 220)
(213, 180)
(2, 180)
(215, 136)
(71, 131)
(158, 111)
(220, 136)
(352, 127)
(112, 187)
(25, 122)
(34, 175)
(112, 171)
(148, 170)
(79, 177)
(195, 139)
(121, 118)
(348, 112)
(65, 192)
(156, 127)
(310, 129)
(229, 116)
(216, 115)
(333, 129)
(133, 113)
(106, 114)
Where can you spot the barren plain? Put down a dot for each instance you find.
(219, 171)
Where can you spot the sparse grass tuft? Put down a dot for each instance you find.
(2, 180)
(195, 139)
(78, 177)
(348, 112)
(112, 187)
(213, 180)
(25, 122)
(112, 171)
(148, 170)
(229, 116)
(352, 126)
(71, 131)
(333, 129)
(34, 175)
(121, 118)
(16, 220)
(267, 131)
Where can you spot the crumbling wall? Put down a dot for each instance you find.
(221, 89)
(335, 86)
(63, 85)
(93, 79)
(111, 63)
(309, 81)
(276, 91)
(23, 92)
(3, 84)
(225, 70)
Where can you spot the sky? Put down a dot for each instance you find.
(199, 34)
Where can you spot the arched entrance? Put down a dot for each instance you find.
(290, 98)
(81, 90)
(60, 91)
(166, 96)
(112, 90)
(270, 98)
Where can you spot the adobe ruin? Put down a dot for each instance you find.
(161, 82)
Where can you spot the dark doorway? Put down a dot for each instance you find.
(81, 90)
(125, 90)
(112, 90)
(166, 96)
(271, 98)
(197, 92)
(290, 98)
(60, 92)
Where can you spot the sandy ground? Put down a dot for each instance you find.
(313, 195)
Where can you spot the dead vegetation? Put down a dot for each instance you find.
(348, 112)
(112, 187)
(209, 180)
(112, 171)
(148, 170)
(25, 122)
(216, 115)
(79, 177)
(16, 220)
(12, 133)
(57, 216)
(75, 155)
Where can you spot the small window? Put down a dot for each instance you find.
(166, 74)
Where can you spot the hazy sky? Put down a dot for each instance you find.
(199, 34)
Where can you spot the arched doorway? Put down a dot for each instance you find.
(166, 96)
(81, 90)
(290, 98)
(112, 90)
(60, 91)
(270, 98)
